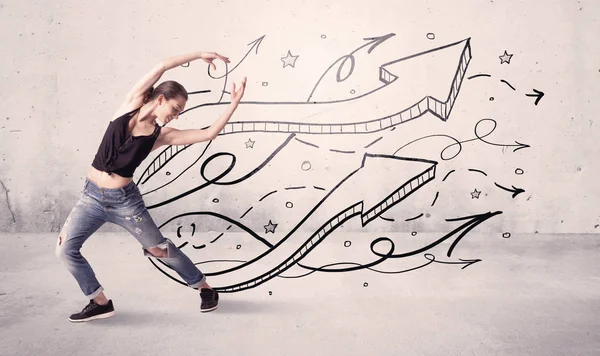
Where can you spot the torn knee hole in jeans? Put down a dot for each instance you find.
(159, 251)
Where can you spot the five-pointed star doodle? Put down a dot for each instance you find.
(289, 60)
(250, 143)
(475, 194)
(270, 227)
(505, 58)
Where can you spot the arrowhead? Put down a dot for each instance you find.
(517, 191)
(376, 41)
(470, 262)
(521, 146)
(434, 76)
(386, 180)
(256, 43)
(538, 95)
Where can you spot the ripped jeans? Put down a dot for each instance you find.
(125, 207)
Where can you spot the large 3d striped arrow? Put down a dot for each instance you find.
(357, 196)
(426, 82)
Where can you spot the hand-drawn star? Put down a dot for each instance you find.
(250, 143)
(270, 227)
(289, 60)
(505, 58)
(475, 194)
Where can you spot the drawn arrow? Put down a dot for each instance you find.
(516, 191)
(254, 45)
(404, 177)
(373, 42)
(466, 263)
(340, 117)
(538, 95)
(434, 71)
(518, 145)
(358, 266)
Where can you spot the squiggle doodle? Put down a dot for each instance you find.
(518, 145)
(350, 198)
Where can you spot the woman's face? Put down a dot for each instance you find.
(169, 110)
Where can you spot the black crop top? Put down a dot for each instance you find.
(121, 152)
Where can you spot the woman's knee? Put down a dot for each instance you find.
(162, 250)
(158, 252)
(65, 250)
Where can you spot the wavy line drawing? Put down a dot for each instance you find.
(428, 256)
(442, 58)
(427, 104)
(411, 173)
(440, 108)
(351, 197)
(518, 145)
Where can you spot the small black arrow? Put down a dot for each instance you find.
(538, 94)
(255, 44)
(516, 191)
(466, 263)
(521, 146)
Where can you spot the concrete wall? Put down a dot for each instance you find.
(67, 65)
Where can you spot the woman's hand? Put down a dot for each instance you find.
(236, 96)
(209, 57)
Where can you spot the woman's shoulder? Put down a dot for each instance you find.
(127, 108)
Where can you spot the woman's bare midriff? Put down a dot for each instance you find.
(104, 180)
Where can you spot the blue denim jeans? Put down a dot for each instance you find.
(125, 207)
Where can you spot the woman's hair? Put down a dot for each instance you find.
(170, 89)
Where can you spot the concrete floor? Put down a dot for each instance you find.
(530, 295)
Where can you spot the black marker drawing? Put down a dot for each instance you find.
(507, 83)
(272, 192)
(306, 143)
(254, 45)
(505, 58)
(414, 108)
(538, 95)
(437, 194)
(478, 75)
(250, 143)
(478, 136)
(464, 229)
(270, 227)
(478, 171)
(516, 191)
(448, 174)
(394, 101)
(475, 194)
(289, 60)
(413, 173)
(414, 218)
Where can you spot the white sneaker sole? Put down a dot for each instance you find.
(101, 316)
(211, 309)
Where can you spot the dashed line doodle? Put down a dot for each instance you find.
(287, 130)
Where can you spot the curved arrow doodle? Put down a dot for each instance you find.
(427, 104)
(538, 96)
(373, 42)
(254, 45)
(478, 136)
(358, 266)
(516, 191)
(215, 180)
(284, 254)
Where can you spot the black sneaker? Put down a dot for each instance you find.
(93, 311)
(210, 300)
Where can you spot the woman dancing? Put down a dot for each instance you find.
(110, 195)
